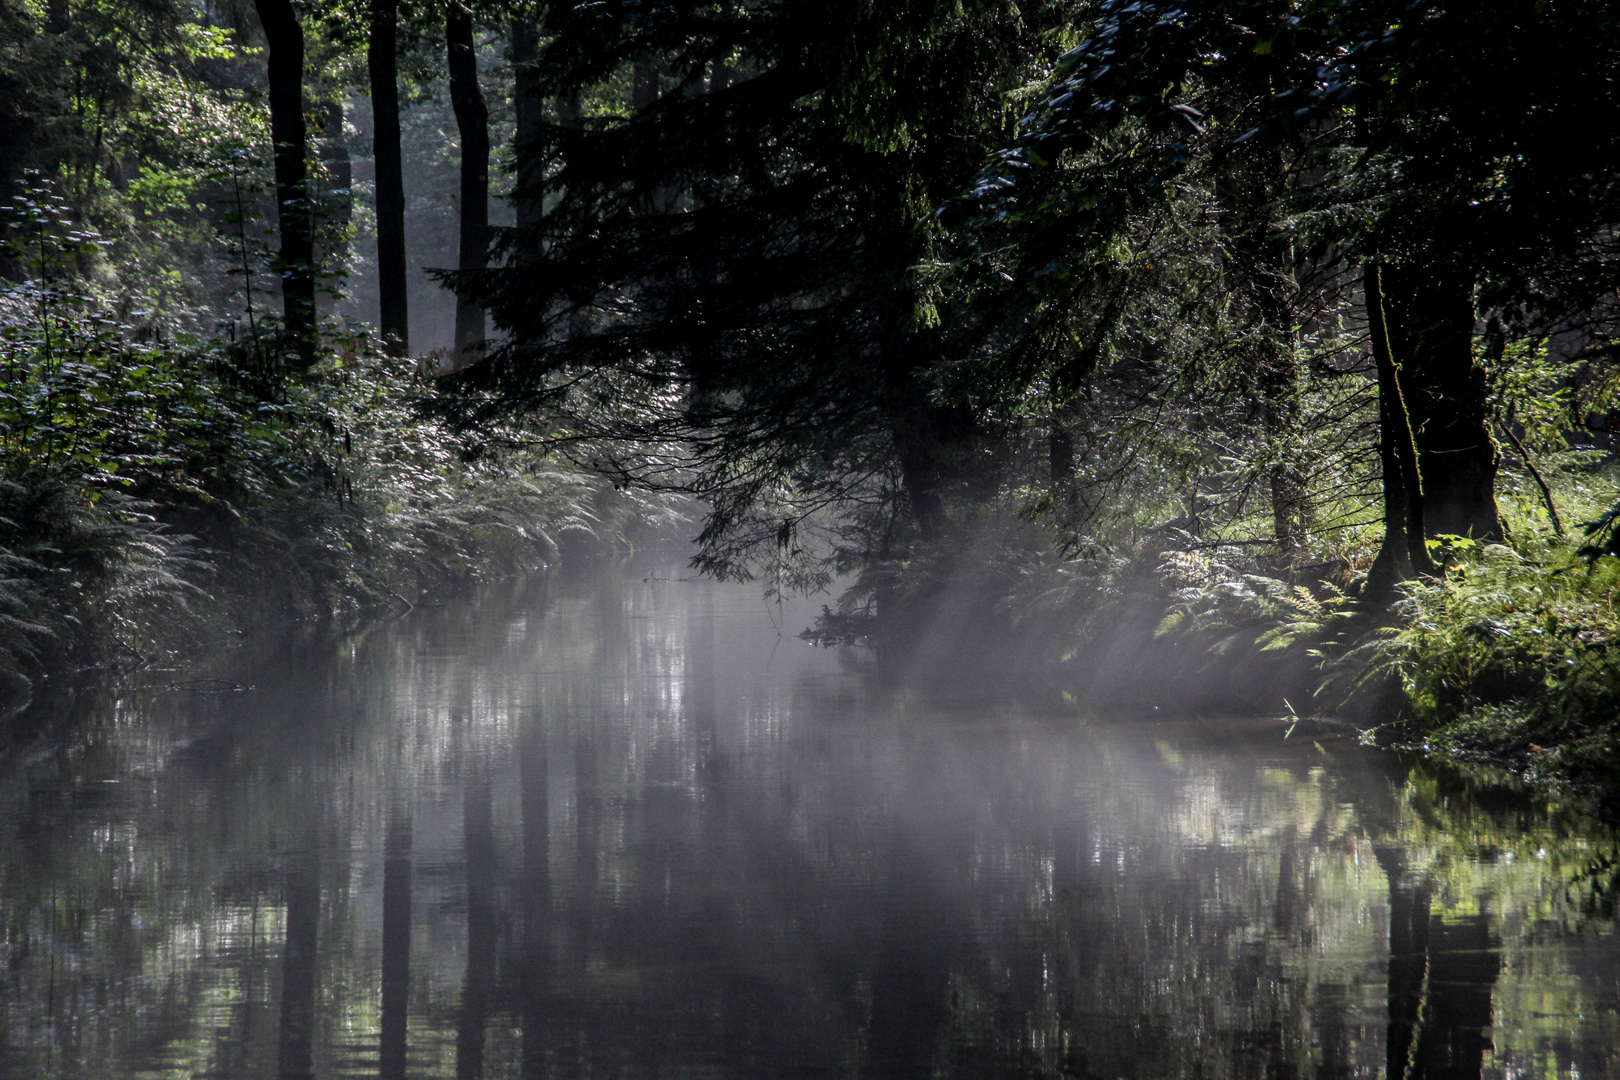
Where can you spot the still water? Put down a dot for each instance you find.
(635, 828)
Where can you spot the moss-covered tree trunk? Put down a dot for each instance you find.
(1431, 329)
(1402, 553)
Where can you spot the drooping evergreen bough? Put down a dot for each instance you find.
(726, 289)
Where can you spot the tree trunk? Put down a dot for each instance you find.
(530, 112)
(915, 437)
(1431, 330)
(382, 61)
(1279, 383)
(1060, 459)
(919, 471)
(570, 110)
(937, 446)
(1263, 259)
(334, 155)
(472, 121)
(645, 79)
(644, 84)
(719, 77)
(1403, 552)
(285, 39)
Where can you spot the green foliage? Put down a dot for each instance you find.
(1501, 629)
(1236, 615)
(1531, 389)
(138, 471)
(1602, 536)
(98, 398)
(1508, 656)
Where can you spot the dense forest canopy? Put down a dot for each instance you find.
(1252, 299)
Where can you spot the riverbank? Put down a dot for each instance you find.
(1504, 661)
(158, 496)
(1510, 662)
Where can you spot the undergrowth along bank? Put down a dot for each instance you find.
(1507, 660)
(159, 488)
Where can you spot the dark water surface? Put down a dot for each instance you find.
(626, 829)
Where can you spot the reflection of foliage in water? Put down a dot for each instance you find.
(737, 872)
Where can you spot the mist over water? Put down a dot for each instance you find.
(632, 827)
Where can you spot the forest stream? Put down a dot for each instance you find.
(634, 827)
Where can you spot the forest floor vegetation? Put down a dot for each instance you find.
(159, 492)
(1507, 660)
(1506, 663)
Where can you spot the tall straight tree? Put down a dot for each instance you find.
(472, 122)
(382, 62)
(294, 212)
(529, 107)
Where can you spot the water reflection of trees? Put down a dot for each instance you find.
(608, 845)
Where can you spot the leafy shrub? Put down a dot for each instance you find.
(139, 472)
(1504, 632)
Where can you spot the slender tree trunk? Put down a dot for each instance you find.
(719, 77)
(530, 111)
(644, 92)
(294, 214)
(1431, 328)
(934, 444)
(340, 171)
(644, 84)
(1279, 382)
(1060, 458)
(1263, 260)
(570, 110)
(382, 61)
(472, 121)
(1403, 552)
(916, 450)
